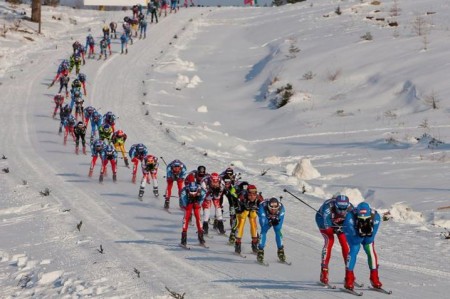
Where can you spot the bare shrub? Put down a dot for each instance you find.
(395, 10)
(333, 75)
(367, 36)
(390, 114)
(309, 75)
(421, 26)
(432, 100)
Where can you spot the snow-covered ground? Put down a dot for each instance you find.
(202, 88)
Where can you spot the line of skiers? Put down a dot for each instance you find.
(198, 191)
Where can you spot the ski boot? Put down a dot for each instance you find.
(254, 245)
(260, 256)
(155, 191)
(215, 225)
(200, 238)
(183, 238)
(166, 204)
(237, 246)
(114, 177)
(141, 191)
(205, 227)
(220, 227)
(374, 280)
(281, 255)
(126, 162)
(324, 275)
(349, 280)
(126, 50)
(100, 179)
(76, 150)
(91, 170)
(84, 150)
(60, 130)
(231, 238)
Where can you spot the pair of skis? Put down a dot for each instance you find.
(189, 248)
(356, 293)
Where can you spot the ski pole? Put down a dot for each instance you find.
(285, 190)
(163, 160)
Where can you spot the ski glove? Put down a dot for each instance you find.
(338, 230)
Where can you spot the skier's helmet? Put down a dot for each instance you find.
(80, 124)
(76, 82)
(215, 178)
(251, 189)
(96, 115)
(107, 128)
(201, 171)
(140, 149)
(342, 202)
(120, 133)
(90, 110)
(193, 189)
(273, 205)
(109, 150)
(98, 145)
(363, 210)
(243, 186)
(229, 172)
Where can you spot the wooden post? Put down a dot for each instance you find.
(36, 13)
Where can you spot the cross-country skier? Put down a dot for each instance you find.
(69, 125)
(330, 218)
(59, 101)
(63, 70)
(105, 133)
(360, 227)
(149, 174)
(78, 49)
(110, 119)
(271, 214)
(176, 172)
(108, 154)
(247, 208)
(124, 43)
(137, 153)
(196, 175)
(64, 113)
(88, 112)
(118, 139)
(80, 133)
(191, 199)
(82, 79)
(214, 187)
(96, 151)
(64, 83)
(75, 61)
(113, 27)
(96, 122)
(90, 42)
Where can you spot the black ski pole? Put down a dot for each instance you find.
(285, 190)
(163, 160)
